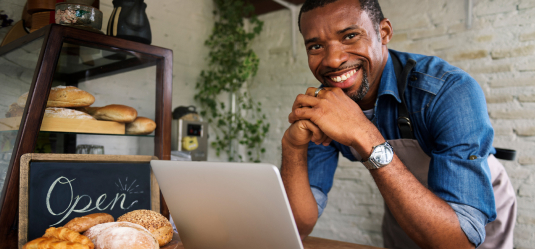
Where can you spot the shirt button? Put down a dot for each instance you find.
(473, 157)
(413, 78)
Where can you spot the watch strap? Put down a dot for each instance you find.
(371, 163)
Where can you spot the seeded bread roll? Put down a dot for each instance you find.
(140, 126)
(115, 235)
(64, 97)
(156, 223)
(81, 224)
(113, 112)
(67, 113)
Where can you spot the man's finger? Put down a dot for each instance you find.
(317, 135)
(312, 91)
(327, 141)
(302, 114)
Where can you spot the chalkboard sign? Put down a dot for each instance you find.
(60, 190)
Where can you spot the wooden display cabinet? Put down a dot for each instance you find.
(60, 55)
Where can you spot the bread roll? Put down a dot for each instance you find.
(14, 110)
(140, 126)
(117, 235)
(52, 243)
(81, 224)
(63, 233)
(114, 112)
(156, 223)
(64, 97)
(67, 113)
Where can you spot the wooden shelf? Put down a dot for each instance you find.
(51, 124)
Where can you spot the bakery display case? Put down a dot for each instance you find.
(130, 84)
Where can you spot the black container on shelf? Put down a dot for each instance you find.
(129, 21)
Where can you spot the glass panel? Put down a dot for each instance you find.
(112, 76)
(16, 73)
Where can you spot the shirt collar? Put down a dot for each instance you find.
(388, 83)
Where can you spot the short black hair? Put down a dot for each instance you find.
(370, 6)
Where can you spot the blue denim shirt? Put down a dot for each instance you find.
(448, 111)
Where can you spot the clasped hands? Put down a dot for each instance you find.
(332, 115)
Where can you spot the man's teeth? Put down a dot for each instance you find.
(344, 76)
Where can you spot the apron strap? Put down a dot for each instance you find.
(402, 73)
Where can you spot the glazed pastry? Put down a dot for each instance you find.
(63, 233)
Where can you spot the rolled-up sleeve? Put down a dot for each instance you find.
(472, 222)
(462, 140)
(322, 162)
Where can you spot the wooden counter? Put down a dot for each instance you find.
(308, 243)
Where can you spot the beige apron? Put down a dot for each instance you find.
(499, 233)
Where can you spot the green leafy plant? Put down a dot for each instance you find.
(231, 63)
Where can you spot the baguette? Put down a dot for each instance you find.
(81, 224)
(63, 233)
(140, 126)
(51, 243)
(63, 97)
(113, 112)
(67, 113)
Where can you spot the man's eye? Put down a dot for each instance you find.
(314, 47)
(350, 36)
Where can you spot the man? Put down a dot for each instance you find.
(436, 181)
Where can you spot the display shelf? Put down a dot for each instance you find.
(60, 55)
(79, 133)
(51, 124)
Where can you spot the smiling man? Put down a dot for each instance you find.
(419, 124)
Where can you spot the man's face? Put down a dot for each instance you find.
(343, 47)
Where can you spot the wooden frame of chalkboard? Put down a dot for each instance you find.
(72, 164)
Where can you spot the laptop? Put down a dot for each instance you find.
(227, 204)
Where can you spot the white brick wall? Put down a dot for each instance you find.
(498, 51)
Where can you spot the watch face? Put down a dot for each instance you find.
(383, 154)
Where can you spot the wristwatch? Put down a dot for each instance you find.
(381, 156)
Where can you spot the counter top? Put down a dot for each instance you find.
(308, 243)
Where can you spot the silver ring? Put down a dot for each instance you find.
(318, 91)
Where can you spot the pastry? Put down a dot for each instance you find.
(64, 97)
(63, 233)
(113, 112)
(52, 243)
(156, 223)
(14, 110)
(67, 113)
(81, 224)
(121, 235)
(140, 126)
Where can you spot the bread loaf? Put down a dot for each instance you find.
(81, 224)
(63, 233)
(67, 113)
(113, 112)
(14, 110)
(156, 223)
(52, 243)
(117, 235)
(140, 126)
(64, 97)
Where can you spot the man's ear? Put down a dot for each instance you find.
(386, 31)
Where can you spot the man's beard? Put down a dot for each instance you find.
(363, 89)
